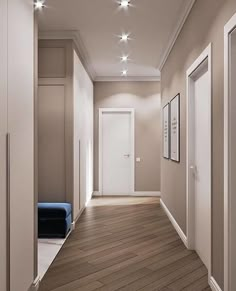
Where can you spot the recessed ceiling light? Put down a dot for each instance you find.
(124, 73)
(124, 37)
(124, 3)
(38, 4)
(124, 58)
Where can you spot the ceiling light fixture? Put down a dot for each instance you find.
(124, 58)
(39, 4)
(124, 73)
(124, 37)
(124, 3)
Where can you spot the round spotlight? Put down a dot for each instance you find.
(124, 73)
(124, 3)
(124, 58)
(38, 4)
(124, 37)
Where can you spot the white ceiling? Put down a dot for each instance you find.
(153, 24)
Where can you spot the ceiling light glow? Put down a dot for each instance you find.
(38, 4)
(124, 37)
(124, 58)
(124, 73)
(124, 3)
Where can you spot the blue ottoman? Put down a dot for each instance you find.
(54, 220)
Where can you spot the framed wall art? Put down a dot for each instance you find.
(166, 131)
(175, 128)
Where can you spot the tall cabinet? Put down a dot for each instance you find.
(65, 125)
(16, 145)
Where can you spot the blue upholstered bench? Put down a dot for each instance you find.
(54, 220)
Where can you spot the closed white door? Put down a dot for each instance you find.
(116, 152)
(201, 173)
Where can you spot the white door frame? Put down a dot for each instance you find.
(190, 205)
(229, 27)
(115, 110)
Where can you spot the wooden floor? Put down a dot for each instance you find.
(125, 244)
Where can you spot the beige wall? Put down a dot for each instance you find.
(55, 121)
(144, 97)
(204, 25)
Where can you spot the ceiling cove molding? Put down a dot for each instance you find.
(128, 79)
(174, 36)
(76, 37)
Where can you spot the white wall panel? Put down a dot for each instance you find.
(3, 132)
(21, 129)
(83, 136)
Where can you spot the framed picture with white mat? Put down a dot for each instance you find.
(175, 129)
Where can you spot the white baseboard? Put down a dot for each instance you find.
(77, 218)
(174, 222)
(88, 200)
(147, 193)
(35, 284)
(135, 194)
(97, 194)
(81, 211)
(213, 284)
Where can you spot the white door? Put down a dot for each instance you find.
(202, 152)
(116, 159)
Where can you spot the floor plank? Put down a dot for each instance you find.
(125, 243)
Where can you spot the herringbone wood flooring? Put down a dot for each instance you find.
(125, 244)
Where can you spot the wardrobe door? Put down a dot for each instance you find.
(3, 145)
(20, 127)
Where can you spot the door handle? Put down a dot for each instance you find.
(194, 170)
(126, 156)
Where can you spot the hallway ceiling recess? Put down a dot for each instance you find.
(152, 26)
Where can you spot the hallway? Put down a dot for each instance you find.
(125, 243)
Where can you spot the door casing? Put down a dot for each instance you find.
(206, 56)
(228, 206)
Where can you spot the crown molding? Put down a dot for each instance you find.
(128, 79)
(76, 37)
(176, 32)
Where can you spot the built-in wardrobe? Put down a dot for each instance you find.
(65, 126)
(16, 145)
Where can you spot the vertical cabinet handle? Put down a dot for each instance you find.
(79, 173)
(8, 144)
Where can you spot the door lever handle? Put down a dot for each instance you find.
(194, 170)
(126, 156)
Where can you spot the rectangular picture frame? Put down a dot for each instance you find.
(166, 131)
(175, 129)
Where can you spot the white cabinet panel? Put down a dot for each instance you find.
(20, 81)
(3, 132)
